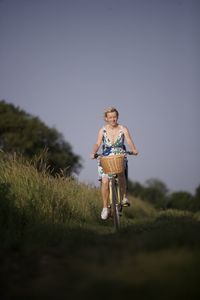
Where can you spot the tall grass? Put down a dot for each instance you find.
(56, 199)
(30, 198)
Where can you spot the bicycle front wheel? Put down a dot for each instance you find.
(114, 206)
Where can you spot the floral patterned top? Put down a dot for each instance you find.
(118, 147)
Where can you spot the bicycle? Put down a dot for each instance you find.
(114, 165)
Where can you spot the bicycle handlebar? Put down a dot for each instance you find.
(125, 152)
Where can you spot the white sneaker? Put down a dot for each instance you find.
(104, 213)
(125, 202)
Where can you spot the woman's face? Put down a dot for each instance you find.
(112, 118)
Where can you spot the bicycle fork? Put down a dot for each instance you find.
(115, 201)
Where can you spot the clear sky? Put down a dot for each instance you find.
(67, 60)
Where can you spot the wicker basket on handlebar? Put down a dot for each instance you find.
(113, 164)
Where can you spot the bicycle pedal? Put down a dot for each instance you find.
(126, 205)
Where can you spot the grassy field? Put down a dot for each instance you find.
(55, 246)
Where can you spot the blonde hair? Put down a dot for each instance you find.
(109, 110)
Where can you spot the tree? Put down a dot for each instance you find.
(23, 133)
(154, 191)
(180, 200)
(158, 185)
(135, 188)
(197, 193)
(196, 200)
(155, 197)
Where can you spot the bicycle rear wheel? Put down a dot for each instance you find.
(114, 205)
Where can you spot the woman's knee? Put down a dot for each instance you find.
(105, 183)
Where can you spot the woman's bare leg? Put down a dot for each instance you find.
(105, 191)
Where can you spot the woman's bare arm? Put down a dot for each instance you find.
(97, 144)
(130, 141)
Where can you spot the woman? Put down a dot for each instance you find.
(112, 137)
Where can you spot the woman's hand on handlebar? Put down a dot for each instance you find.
(132, 152)
(94, 155)
(135, 152)
(128, 152)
